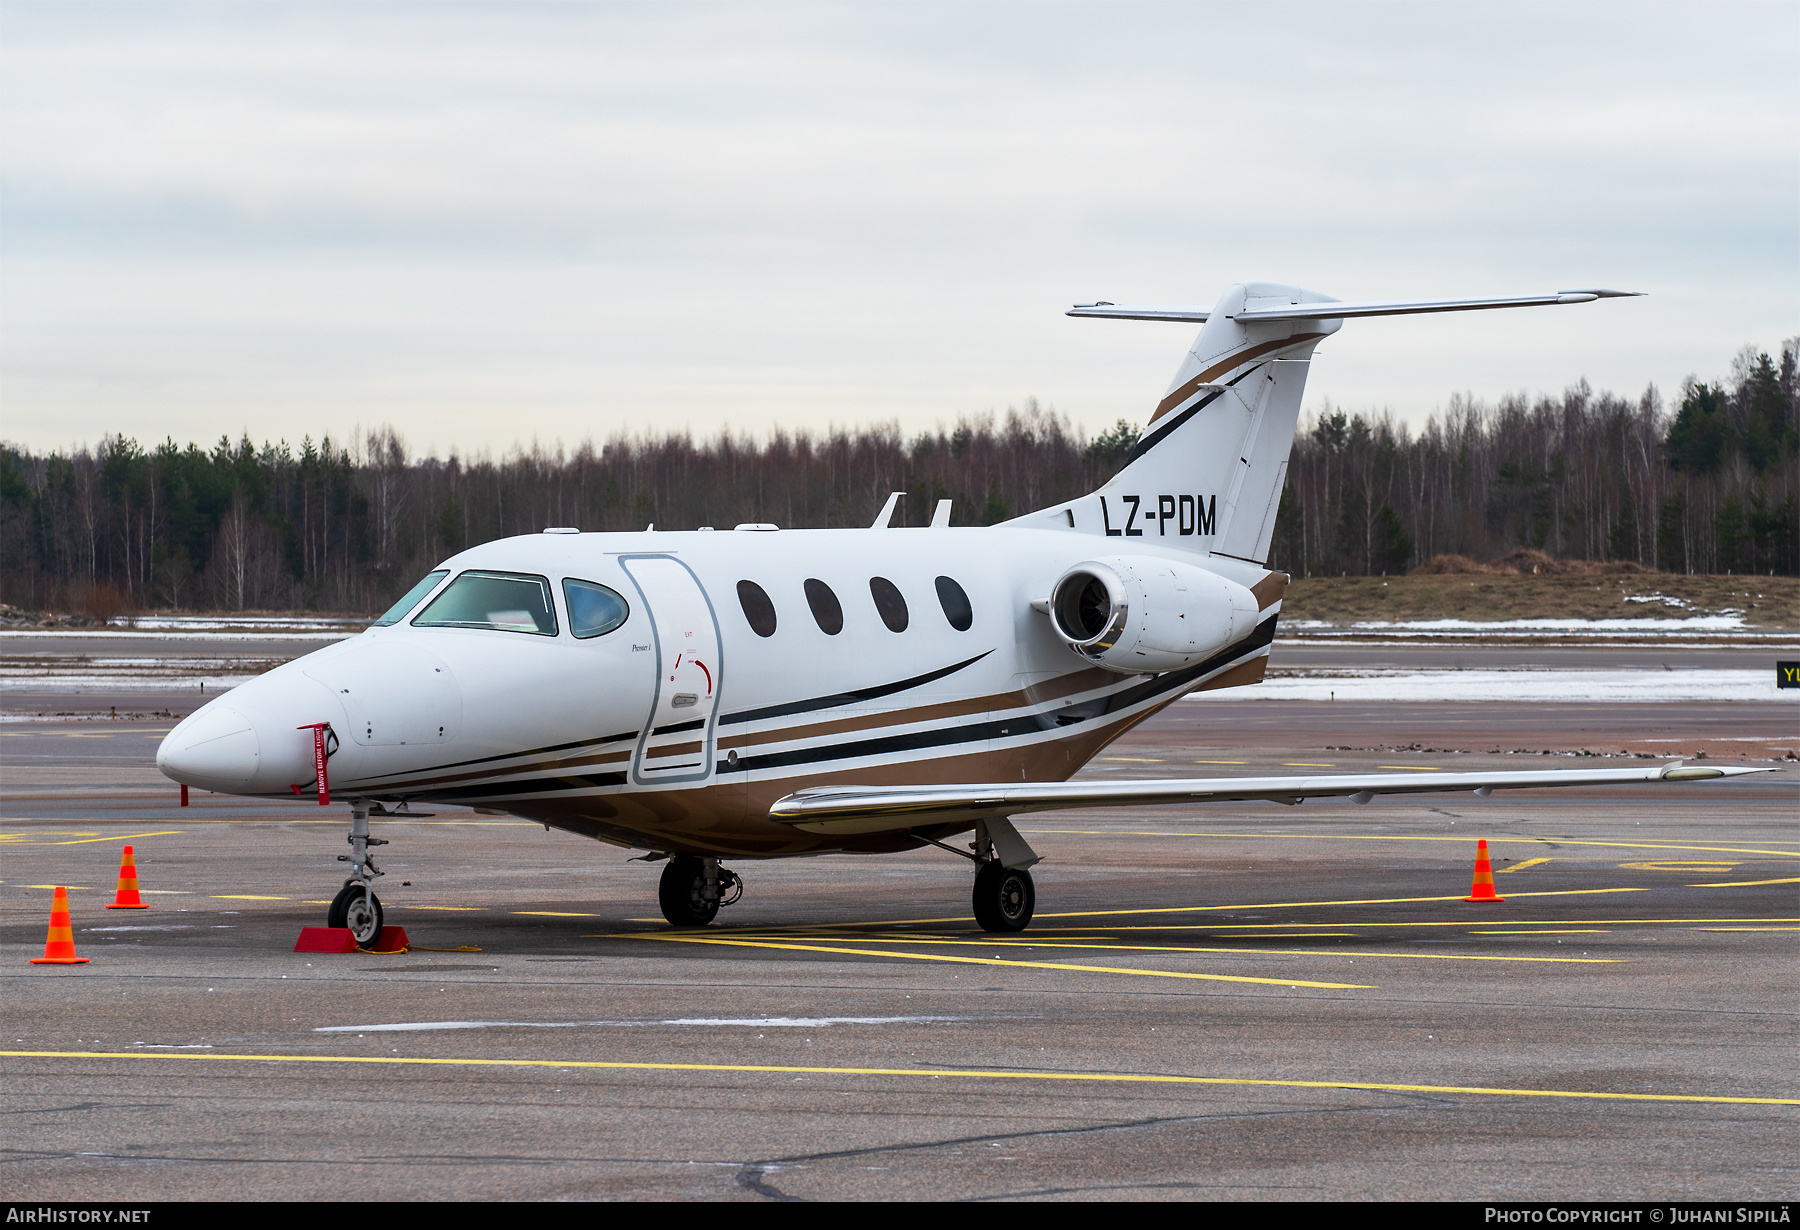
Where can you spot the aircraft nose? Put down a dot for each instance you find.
(215, 749)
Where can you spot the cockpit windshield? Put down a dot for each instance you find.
(503, 601)
(399, 610)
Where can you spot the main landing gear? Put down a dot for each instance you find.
(693, 889)
(356, 906)
(1004, 896)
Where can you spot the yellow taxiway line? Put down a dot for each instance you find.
(760, 942)
(1460, 922)
(1748, 883)
(675, 938)
(20, 839)
(1530, 862)
(1135, 1078)
(1253, 905)
(1492, 841)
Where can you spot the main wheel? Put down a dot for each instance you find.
(682, 893)
(1004, 897)
(358, 910)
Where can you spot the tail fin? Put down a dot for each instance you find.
(1208, 470)
(1207, 473)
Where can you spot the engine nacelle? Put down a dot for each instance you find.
(1136, 613)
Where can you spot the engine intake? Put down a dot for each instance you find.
(1139, 614)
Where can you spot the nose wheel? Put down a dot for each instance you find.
(1004, 897)
(359, 909)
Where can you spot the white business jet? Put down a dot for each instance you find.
(766, 693)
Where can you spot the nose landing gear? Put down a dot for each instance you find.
(356, 906)
(693, 889)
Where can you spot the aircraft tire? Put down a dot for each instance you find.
(680, 893)
(1004, 898)
(347, 910)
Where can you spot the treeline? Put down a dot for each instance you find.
(347, 525)
(1708, 488)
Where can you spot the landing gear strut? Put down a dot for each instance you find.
(356, 906)
(1004, 893)
(693, 889)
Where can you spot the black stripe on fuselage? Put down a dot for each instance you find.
(1011, 727)
(535, 785)
(1161, 433)
(846, 698)
(534, 751)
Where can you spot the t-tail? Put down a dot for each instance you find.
(1207, 473)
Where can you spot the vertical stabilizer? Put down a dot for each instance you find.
(1207, 473)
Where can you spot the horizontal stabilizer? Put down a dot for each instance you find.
(878, 809)
(1413, 307)
(1332, 310)
(1113, 311)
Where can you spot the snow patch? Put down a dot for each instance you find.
(1583, 686)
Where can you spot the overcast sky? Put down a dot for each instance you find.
(482, 224)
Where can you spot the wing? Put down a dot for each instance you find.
(879, 809)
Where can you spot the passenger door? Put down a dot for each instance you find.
(678, 740)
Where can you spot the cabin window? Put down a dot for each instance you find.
(825, 607)
(890, 604)
(594, 610)
(402, 608)
(501, 601)
(758, 610)
(955, 603)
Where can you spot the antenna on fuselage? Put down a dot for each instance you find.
(887, 510)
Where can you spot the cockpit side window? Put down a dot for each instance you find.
(502, 601)
(402, 608)
(594, 610)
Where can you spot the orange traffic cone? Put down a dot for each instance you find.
(59, 948)
(1483, 887)
(127, 897)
